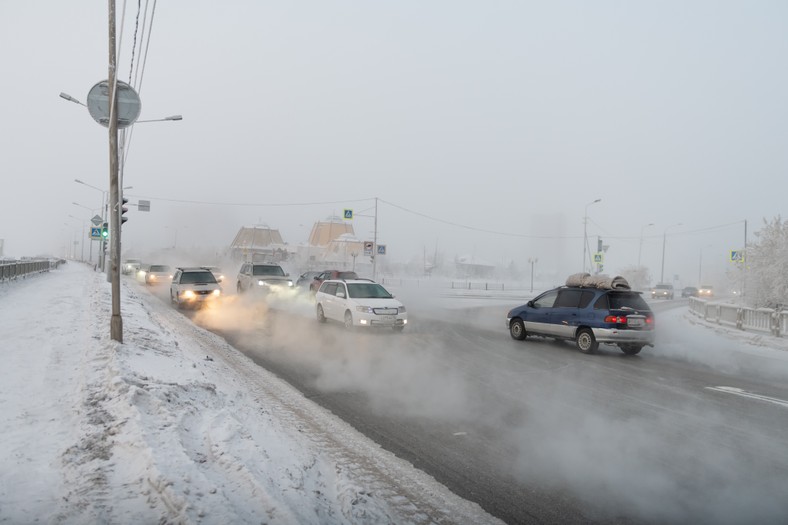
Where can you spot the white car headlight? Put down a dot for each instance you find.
(290, 283)
(364, 309)
(261, 282)
(188, 294)
(402, 309)
(217, 292)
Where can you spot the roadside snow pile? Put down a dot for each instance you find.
(176, 426)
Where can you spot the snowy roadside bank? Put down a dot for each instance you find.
(174, 425)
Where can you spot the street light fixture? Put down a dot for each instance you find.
(532, 261)
(640, 250)
(664, 238)
(171, 117)
(71, 99)
(585, 232)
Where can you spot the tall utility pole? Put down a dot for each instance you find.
(116, 322)
(375, 244)
(585, 232)
(664, 241)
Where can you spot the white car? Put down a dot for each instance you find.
(193, 287)
(359, 303)
(153, 274)
(131, 266)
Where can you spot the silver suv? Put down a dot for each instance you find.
(662, 291)
(193, 287)
(263, 278)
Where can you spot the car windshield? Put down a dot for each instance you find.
(197, 278)
(159, 268)
(367, 291)
(627, 300)
(268, 270)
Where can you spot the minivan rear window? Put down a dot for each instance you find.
(619, 300)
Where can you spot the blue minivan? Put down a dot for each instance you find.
(587, 316)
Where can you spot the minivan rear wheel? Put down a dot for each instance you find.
(631, 349)
(586, 342)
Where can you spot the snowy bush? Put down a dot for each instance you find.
(767, 265)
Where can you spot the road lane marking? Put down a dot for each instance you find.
(743, 393)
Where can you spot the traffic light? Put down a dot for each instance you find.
(104, 231)
(123, 210)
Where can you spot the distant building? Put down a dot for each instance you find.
(258, 243)
(323, 232)
(333, 244)
(470, 267)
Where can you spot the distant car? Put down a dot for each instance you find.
(305, 280)
(193, 287)
(662, 291)
(262, 278)
(217, 272)
(689, 291)
(152, 274)
(706, 290)
(359, 303)
(330, 274)
(131, 266)
(587, 316)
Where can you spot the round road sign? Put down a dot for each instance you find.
(129, 104)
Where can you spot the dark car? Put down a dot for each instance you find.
(305, 280)
(587, 316)
(689, 291)
(314, 286)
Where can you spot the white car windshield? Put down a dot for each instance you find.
(367, 291)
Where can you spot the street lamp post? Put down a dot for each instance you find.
(585, 232)
(81, 237)
(640, 249)
(532, 261)
(664, 239)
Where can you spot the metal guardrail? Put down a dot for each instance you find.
(761, 320)
(10, 271)
(453, 285)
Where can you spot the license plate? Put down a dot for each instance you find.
(635, 323)
(387, 318)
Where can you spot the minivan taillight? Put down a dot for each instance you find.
(618, 319)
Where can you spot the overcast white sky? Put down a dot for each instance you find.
(507, 116)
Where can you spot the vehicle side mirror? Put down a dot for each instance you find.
(531, 304)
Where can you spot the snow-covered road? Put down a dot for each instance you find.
(174, 425)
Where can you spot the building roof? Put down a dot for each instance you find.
(259, 237)
(323, 232)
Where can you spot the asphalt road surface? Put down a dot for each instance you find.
(534, 431)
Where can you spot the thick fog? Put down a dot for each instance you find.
(486, 131)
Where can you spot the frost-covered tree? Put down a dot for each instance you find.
(637, 277)
(767, 265)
